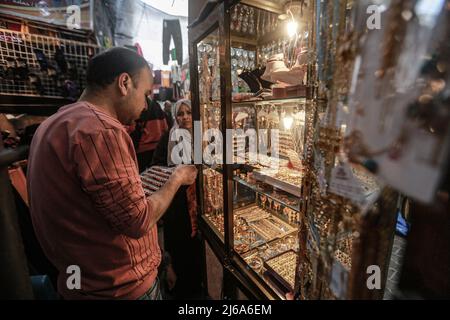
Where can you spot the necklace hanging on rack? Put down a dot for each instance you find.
(269, 23)
(234, 18)
(245, 22)
(258, 22)
(240, 19)
(251, 28)
(206, 79)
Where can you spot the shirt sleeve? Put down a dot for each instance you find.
(107, 169)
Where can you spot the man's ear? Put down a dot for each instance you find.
(124, 83)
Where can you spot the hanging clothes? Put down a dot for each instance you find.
(172, 29)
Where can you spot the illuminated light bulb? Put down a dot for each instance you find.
(292, 27)
(288, 121)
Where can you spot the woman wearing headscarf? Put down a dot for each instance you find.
(180, 220)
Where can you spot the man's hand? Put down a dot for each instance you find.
(160, 200)
(185, 174)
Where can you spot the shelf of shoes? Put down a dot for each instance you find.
(42, 66)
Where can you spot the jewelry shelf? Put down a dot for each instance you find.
(293, 204)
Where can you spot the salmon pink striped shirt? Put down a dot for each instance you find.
(88, 206)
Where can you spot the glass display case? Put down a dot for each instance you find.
(208, 61)
(268, 187)
(281, 206)
(249, 87)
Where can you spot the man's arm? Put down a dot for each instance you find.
(108, 173)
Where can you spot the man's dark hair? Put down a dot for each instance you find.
(105, 67)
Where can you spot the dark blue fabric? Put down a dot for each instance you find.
(402, 226)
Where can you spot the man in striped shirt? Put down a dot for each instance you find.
(86, 199)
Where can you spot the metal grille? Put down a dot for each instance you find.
(17, 45)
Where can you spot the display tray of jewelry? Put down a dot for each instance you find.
(282, 178)
(254, 226)
(254, 260)
(256, 257)
(154, 178)
(246, 238)
(280, 270)
(271, 228)
(251, 213)
(289, 242)
(278, 246)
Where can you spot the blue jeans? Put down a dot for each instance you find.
(154, 293)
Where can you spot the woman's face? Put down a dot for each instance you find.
(184, 117)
